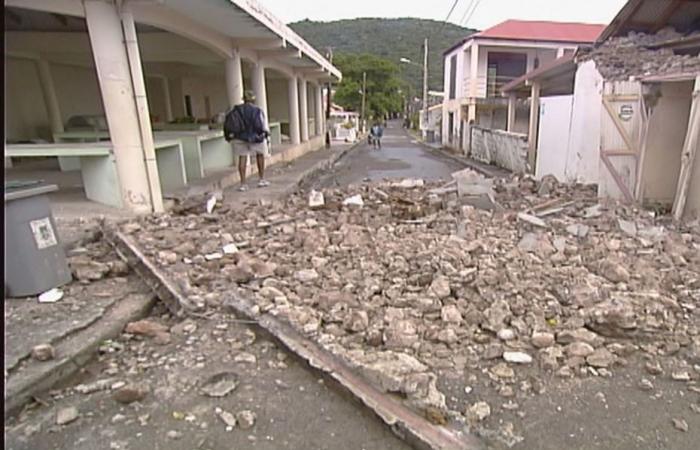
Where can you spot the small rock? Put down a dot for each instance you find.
(440, 287)
(246, 419)
(451, 314)
(542, 339)
(653, 368)
(517, 357)
(220, 384)
(435, 415)
(646, 385)
(227, 418)
(506, 334)
(532, 220)
(600, 358)
(167, 257)
(680, 424)
(503, 370)
(614, 271)
(245, 357)
(306, 275)
(43, 352)
(681, 375)
(580, 349)
(174, 434)
(131, 393)
(478, 412)
(493, 351)
(145, 327)
(118, 418)
(66, 415)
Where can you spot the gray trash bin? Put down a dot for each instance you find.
(35, 260)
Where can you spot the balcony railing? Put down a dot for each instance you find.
(486, 86)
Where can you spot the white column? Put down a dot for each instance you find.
(304, 110)
(166, 96)
(534, 120)
(320, 117)
(474, 71)
(293, 110)
(112, 65)
(49, 90)
(511, 112)
(258, 81)
(234, 79)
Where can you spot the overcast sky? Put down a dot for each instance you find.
(486, 14)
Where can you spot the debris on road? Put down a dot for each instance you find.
(418, 284)
(67, 415)
(51, 296)
(43, 352)
(220, 384)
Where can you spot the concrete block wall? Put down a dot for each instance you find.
(500, 148)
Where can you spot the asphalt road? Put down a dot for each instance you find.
(400, 157)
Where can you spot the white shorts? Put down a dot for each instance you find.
(243, 148)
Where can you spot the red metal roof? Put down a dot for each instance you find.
(543, 31)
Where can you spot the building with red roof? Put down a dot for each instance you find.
(476, 68)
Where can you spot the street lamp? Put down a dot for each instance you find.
(425, 84)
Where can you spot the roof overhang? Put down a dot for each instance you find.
(554, 78)
(649, 16)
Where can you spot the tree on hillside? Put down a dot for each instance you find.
(384, 87)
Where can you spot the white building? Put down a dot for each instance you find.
(141, 65)
(477, 67)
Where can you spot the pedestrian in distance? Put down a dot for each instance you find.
(376, 132)
(245, 128)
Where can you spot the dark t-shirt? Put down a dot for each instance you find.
(253, 123)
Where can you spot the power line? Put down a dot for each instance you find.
(472, 13)
(471, 3)
(451, 9)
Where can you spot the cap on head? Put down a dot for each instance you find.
(249, 96)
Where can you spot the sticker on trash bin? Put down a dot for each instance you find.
(43, 233)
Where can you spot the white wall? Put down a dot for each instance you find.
(668, 124)
(277, 99)
(583, 148)
(78, 90)
(553, 137)
(201, 86)
(501, 148)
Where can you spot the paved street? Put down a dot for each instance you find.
(399, 157)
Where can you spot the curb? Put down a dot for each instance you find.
(75, 351)
(320, 167)
(463, 161)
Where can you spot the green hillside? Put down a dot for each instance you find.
(390, 39)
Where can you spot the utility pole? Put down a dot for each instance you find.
(364, 94)
(425, 89)
(328, 103)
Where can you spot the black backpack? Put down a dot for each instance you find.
(233, 124)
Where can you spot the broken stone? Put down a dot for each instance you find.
(532, 220)
(145, 327)
(67, 415)
(680, 424)
(506, 334)
(627, 227)
(316, 199)
(357, 321)
(478, 412)
(451, 314)
(517, 357)
(226, 417)
(580, 349)
(440, 287)
(578, 230)
(493, 351)
(503, 370)
(306, 275)
(646, 385)
(614, 271)
(43, 352)
(355, 200)
(680, 375)
(542, 339)
(131, 393)
(536, 243)
(220, 384)
(167, 257)
(600, 358)
(173, 434)
(435, 415)
(246, 419)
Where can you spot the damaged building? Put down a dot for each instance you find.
(624, 114)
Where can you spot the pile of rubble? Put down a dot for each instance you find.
(407, 280)
(637, 55)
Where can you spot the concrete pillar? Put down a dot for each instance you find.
(534, 120)
(166, 96)
(234, 80)
(113, 75)
(474, 71)
(49, 90)
(293, 110)
(320, 116)
(303, 110)
(258, 81)
(510, 124)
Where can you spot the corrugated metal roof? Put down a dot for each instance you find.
(649, 16)
(544, 31)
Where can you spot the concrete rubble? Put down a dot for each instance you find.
(415, 284)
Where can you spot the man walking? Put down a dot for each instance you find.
(376, 132)
(245, 127)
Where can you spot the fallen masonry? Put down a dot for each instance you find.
(413, 282)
